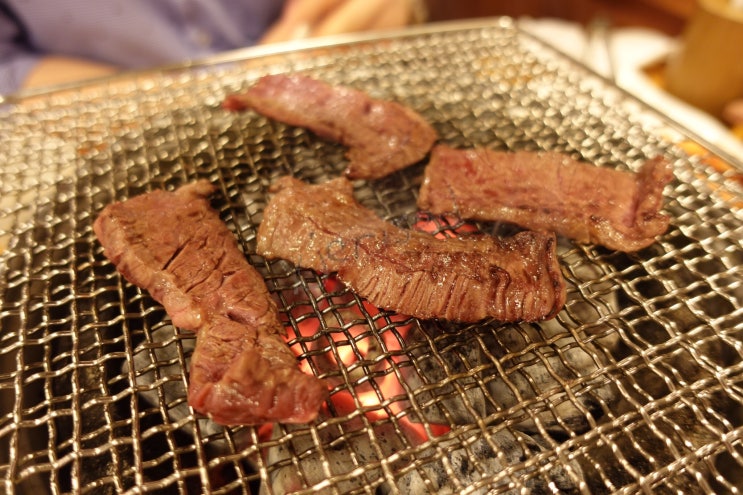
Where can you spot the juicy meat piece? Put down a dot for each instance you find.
(549, 191)
(462, 279)
(382, 136)
(174, 245)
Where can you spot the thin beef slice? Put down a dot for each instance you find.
(174, 245)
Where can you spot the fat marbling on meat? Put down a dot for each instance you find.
(549, 191)
(466, 279)
(381, 136)
(174, 245)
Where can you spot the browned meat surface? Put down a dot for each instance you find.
(462, 279)
(549, 191)
(174, 245)
(382, 136)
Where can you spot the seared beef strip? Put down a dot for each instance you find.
(549, 191)
(174, 245)
(382, 136)
(462, 279)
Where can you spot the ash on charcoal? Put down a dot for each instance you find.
(158, 368)
(552, 371)
(351, 457)
(346, 454)
(445, 388)
(546, 374)
(494, 461)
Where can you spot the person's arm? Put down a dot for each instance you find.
(21, 67)
(305, 18)
(15, 59)
(58, 70)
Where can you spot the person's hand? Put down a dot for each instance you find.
(306, 18)
(732, 113)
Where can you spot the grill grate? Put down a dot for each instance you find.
(637, 385)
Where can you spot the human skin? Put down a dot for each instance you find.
(299, 19)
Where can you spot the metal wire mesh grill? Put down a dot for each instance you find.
(636, 385)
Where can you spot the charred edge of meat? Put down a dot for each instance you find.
(322, 227)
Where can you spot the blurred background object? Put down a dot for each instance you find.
(667, 16)
(707, 68)
(44, 42)
(629, 42)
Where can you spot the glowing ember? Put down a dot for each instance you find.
(443, 226)
(368, 357)
(362, 361)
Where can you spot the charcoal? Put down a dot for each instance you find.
(486, 454)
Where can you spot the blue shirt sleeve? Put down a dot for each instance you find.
(130, 34)
(16, 58)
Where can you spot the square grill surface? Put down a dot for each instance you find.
(637, 385)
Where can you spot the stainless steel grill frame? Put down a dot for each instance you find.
(636, 386)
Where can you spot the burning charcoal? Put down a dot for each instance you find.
(163, 369)
(441, 401)
(539, 361)
(540, 374)
(350, 447)
(483, 460)
(449, 392)
(542, 362)
(345, 448)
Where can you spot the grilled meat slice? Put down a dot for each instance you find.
(174, 245)
(382, 136)
(549, 191)
(462, 279)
